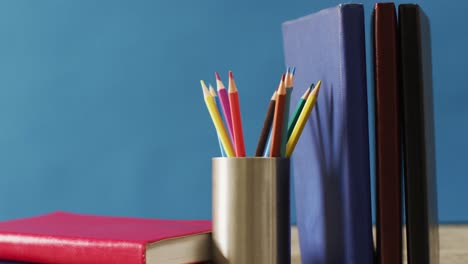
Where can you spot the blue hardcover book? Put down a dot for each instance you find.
(331, 160)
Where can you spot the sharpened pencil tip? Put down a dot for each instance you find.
(205, 90)
(219, 83)
(232, 84)
(293, 70)
(282, 85)
(307, 92)
(203, 84)
(317, 88)
(273, 97)
(212, 90)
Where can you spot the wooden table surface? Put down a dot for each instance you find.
(453, 245)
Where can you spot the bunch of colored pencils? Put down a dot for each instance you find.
(279, 134)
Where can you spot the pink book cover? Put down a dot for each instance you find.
(62, 237)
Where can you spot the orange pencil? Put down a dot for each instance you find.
(277, 127)
(236, 117)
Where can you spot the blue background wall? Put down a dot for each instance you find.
(86, 88)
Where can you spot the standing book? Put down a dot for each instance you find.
(387, 134)
(418, 136)
(62, 237)
(331, 160)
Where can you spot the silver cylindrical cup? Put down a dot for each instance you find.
(251, 222)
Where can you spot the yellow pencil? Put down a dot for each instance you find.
(302, 120)
(217, 121)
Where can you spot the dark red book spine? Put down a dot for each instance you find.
(387, 128)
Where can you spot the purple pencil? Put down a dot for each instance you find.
(224, 99)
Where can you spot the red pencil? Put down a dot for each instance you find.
(277, 126)
(236, 117)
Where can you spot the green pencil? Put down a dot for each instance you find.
(297, 112)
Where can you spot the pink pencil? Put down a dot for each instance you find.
(223, 97)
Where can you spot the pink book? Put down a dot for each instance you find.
(62, 237)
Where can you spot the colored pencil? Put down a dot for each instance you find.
(266, 127)
(236, 117)
(284, 131)
(302, 120)
(277, 126)
(217, 120)
(213, 94)
(267, 151)
(226, 109)
(297, 112)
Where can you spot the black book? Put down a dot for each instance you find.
(418, 136)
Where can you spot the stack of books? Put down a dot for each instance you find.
(331, 163)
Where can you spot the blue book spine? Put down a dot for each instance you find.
(331, 160)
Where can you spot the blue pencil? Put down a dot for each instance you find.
(223, 154)
(268, 146)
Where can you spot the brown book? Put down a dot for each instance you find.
(387, 129)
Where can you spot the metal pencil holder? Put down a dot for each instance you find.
(251, 222)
